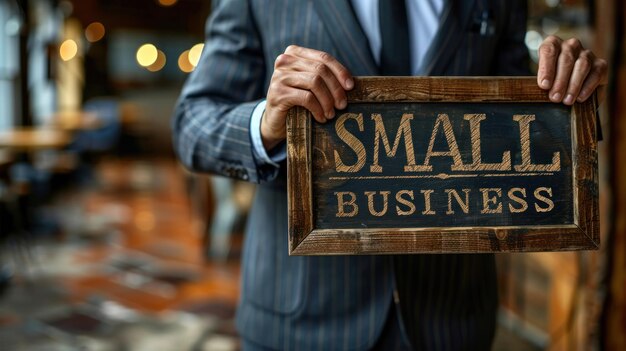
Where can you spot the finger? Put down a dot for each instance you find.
(336, 89)
(548, 54)
(570, 50)
(314, 83)
(341, 73)
(582, 67)
(306, 99)
(289, 62)
(596, 77)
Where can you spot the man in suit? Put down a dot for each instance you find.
(263, 57)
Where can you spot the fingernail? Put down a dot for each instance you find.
(330, 114)
(556, 97)
(569, 99)
(342, 104)
(349, 83)
(545, 84)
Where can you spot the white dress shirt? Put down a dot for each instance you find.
(424, 18)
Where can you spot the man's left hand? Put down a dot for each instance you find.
(569, 71)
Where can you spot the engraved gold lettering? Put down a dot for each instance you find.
(444, 121)
(370, 202)
(527, 165)
(477, 164)
(427, 209)
(520, 200)
(353, 142)
(404, 130)
(547, 200)
(489, 200)
(342, 203)
(405, 202)
(464, 205)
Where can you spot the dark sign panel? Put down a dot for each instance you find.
(444, 165)
(418, 164)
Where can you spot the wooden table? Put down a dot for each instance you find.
(33, 139)
(73, 121)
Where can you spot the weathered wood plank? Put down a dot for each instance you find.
(447, 89)
(442, 240)
(299, 176)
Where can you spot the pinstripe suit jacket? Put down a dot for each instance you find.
(324, 303)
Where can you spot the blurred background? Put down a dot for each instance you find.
(107, 243)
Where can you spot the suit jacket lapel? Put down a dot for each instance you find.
(454, 22)
(347, 35)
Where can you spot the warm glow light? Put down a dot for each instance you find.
(194, 54)
(183, 62)
(68, 50)
(147, 54)
(145, 220)
(94, 32)
(159, 63)
(167, 2)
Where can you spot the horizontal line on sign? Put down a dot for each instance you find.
(444, 176)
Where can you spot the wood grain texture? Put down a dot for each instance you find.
(585, 157)
(443, 240)
(447, 89)
(307, 238)
(299, 176)
(481, 160)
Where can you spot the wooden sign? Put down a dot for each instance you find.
(443, 165)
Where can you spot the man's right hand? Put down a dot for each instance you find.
(303, 77)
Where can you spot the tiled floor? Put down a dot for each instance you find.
(125, 272)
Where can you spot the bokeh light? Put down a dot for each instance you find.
(183, 62)
(553, 3)
(94, 32)
(550, 26)
(159, 63)
(167, 2)
(533, 40)
(195, 53)
(147, 54)
(68, 50)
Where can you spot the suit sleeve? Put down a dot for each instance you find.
(211, 123)
(512, 57)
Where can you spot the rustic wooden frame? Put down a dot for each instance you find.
(304, 239)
